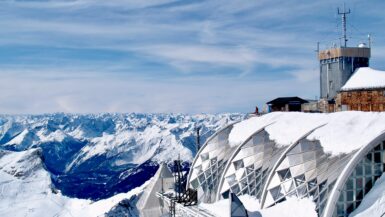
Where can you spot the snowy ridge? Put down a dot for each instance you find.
(98, 156)
(26, 190)
(143, 135)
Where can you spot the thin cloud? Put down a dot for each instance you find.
(36, 94)
(166, 56)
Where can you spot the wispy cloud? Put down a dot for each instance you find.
(166, 56)
(39, 93)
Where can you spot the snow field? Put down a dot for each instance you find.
(292, 207)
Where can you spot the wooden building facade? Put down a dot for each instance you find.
(361, 100)
(364, 91)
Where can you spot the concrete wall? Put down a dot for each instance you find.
(335, 72)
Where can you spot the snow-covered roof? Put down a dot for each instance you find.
(339, 132)
(365, 78)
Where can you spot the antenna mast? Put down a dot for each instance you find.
(344, 13)
(198, 139)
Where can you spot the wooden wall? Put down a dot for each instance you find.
(361, 100)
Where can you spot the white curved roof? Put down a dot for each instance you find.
(339, 132)
(365, 78)
(319, 154)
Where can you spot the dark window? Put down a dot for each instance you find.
(238, 164)
(299, 180)
(225, 194)
(276, 192)
(377, 157)
(284, 174)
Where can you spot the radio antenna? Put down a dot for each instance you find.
(343, 15)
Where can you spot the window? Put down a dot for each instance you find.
(361, 181)
(284, 174)
(276, 192)
(299, 180)
(238, 164)
(359, 170)
(205, 156)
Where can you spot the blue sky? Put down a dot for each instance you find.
(170, 56)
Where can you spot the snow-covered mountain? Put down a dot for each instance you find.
(26, 190)
(98, 156)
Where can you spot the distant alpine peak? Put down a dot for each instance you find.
(114, 139)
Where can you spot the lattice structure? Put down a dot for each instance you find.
(249, 166)
(209, 164)
(305, 171)
(272, 172)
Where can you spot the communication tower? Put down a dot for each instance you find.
(337, 64)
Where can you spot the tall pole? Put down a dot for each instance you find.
(343, 15)
(162, 191)
(198, 139)
(317, 48)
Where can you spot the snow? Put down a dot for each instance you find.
(98, 152)
(57, 136)
(137, 138)
(292, 207)
(373, 203)
(26, 190)
(278, 124)
(365, 77)
(339, 132)
(19, 138)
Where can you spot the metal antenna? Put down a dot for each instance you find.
(318, 43)
(344, 13)
(318, 47)
(198, 140)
